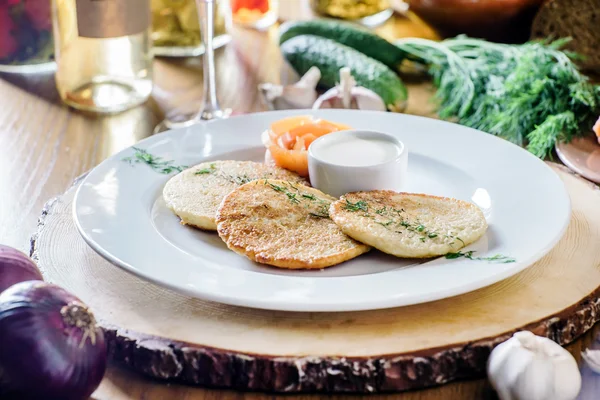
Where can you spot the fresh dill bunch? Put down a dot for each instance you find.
(531, 94)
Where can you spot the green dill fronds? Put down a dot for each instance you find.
(548, 132)
(155, 162)
(360, 205)
(531, 94)
(277, 188)
(497, 258)
(208, 170)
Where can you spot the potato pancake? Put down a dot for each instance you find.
(285, 225)
(409, 225)
(195, 193)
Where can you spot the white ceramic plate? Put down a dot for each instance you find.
(120, 212)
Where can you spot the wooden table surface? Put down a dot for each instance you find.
(44, 146)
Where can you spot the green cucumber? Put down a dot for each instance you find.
(348, 34)
(305, 51)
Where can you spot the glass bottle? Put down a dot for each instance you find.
(26, 36)
(103, 53)
(176, 30)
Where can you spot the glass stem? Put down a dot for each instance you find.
(206, 14)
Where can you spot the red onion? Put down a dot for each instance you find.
(50, 346)
(16, 267)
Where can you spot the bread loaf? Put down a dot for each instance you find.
(578, 19)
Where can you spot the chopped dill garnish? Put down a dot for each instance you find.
(242, 179)
(386, 224)
(277, 188)
(360, 205)
(155, 162)
(292, 197)
(394, 218)
(498, 258)
(204, 171)
(295, 198)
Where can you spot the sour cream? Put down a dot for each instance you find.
(356, 151)
(355, 160)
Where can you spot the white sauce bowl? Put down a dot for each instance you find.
(357, 160)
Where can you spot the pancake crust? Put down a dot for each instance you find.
(195, 193)
(285, 225)
(409, 225)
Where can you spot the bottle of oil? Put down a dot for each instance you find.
(103, 53)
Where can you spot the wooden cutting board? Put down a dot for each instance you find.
(172, 337)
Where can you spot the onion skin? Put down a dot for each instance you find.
(51, 347)
(16, 267)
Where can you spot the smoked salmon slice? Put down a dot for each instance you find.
(288, 139)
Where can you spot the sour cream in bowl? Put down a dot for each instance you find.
(357, 160)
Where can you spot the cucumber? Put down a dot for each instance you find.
(347, 34)
(304, 51)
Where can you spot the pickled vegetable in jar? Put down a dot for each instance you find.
(254, 13)
(356, 10)
(176, 29)
(26, 43)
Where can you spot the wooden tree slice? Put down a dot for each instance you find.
(169, 336)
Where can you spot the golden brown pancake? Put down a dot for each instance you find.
(409, 225)
(195, 193)
(284, 224)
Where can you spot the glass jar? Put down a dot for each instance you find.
(26, 36)
(176, 30)
(259, 14)
(366, 12)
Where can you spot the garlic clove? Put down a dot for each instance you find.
(368, 100)
(535, 381)
(347, 83)
(592, 359)
(301, 94)
(530, 367)
(347, 95)
(311, 78)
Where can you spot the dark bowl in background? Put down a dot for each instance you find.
(506, 21)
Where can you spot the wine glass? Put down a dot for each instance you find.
(210, 105)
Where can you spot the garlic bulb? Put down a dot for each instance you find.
(347, 95)
(592, 358)
(530, 367)
(301, 94)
